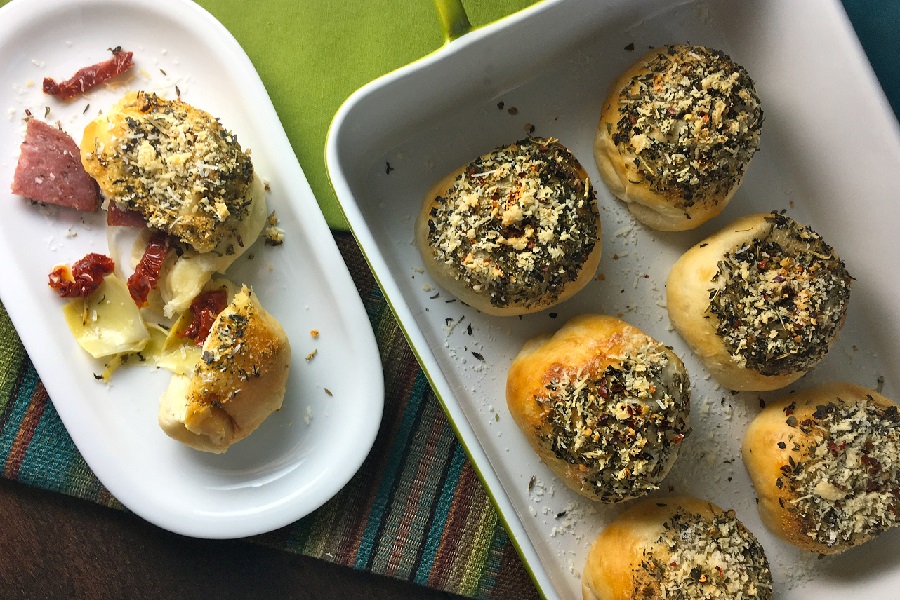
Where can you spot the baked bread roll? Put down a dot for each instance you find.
(187, 175)
(760, 302)
(825, 463)
(173, 163)
(513, 232)
(604, 405)
(676, 134)
(236, 384)
(681, 548)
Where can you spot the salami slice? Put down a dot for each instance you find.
(50, 170)
(124, 218)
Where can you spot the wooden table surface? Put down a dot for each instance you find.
(54, 546)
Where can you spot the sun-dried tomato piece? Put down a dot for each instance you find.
(204, 309)
(146, 274)
(88, 77)
(83, 278)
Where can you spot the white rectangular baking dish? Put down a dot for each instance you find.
(830, 157)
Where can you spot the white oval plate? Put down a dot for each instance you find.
(302, 455)
(830, 156)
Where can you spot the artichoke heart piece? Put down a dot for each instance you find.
(107, 322)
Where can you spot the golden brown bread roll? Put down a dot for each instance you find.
(513, 232)
(682, 548)
(825, 463)
(238, 382)
(760, 302)
(173, 163)
(603, 404)
(180, 169)
(676, 134)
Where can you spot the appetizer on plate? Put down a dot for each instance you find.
(825, 463)
(173, 172)
(515, 231)
(760, 302)
(676, 134)
(676, 548)
(186, 175)
(603, 404)
(237, 380)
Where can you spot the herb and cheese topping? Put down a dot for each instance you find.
(518, 223)
(175, 164)
(844, 487)
(708, 558)
(689, 123)
(226, 355)
(781, 299)
(624, 425)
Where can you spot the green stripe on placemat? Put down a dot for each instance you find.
(416, 510)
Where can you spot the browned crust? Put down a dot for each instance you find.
(616, 555)
(587, 344)
(232, 390)
(764, 459)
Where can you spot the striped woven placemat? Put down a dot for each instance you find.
(415, 510)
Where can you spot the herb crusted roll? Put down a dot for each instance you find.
(183, 173)
(760, 302)
(177, 166)
(239, 379)
(515, 231)
(676, 134)
(825, 463)
(679, 547)
(604, 405)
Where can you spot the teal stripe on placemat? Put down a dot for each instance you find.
(404, 525)
(441, 510)
(395, 461)
(19, 402)
(49, 455)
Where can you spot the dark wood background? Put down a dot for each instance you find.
(54, 546)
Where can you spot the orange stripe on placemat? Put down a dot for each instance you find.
(26, 432)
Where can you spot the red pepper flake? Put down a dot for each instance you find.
(89, 77)
(146, 274)
(83, 278)
(204, 310)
